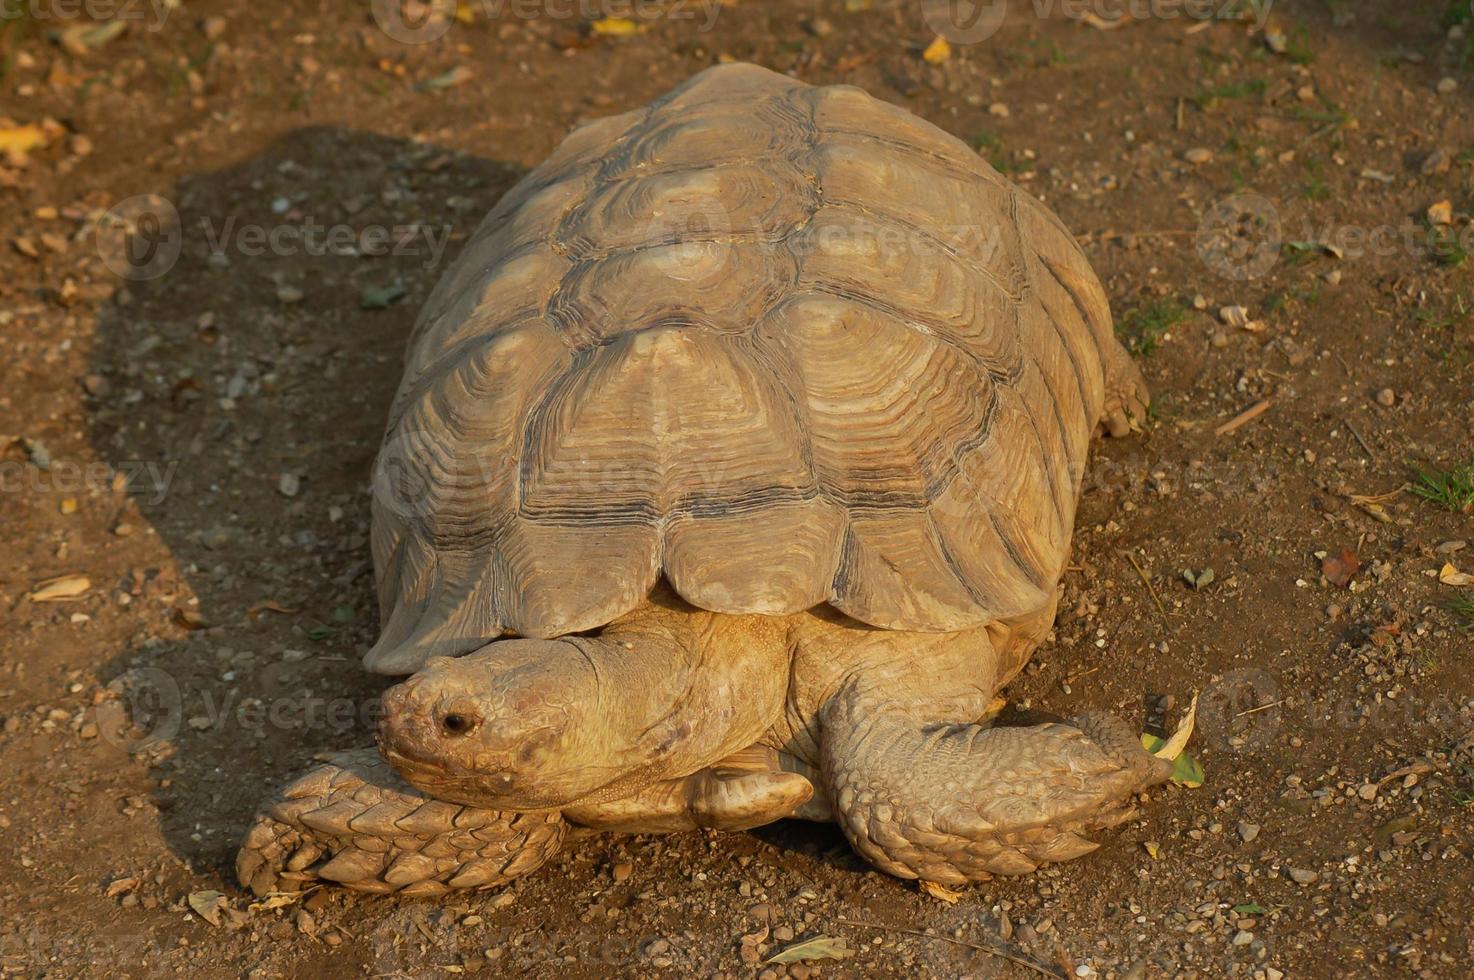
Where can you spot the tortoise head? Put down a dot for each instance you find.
(508, 726)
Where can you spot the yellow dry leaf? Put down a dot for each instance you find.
(1173, 747)
(1153, 848)
(617, 27)
(464, 12)
(940, 892)
(60, 589)
(937, 52)
(277, 900)
(22, 139)
(1449, 575)
(1376, 511)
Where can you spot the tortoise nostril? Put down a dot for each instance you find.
(455, 723)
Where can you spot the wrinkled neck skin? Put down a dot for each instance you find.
(542, 724)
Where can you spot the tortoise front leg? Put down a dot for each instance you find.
(951, 803)
(747, 789)
(354, 822)
(1127, 399)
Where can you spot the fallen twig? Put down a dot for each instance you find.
(1358, 437)
(1151, 590)
(1258, 708)
(996, 950)
(1244, 418)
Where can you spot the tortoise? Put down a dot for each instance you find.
(732, 474)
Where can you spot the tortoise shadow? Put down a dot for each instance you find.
(240, 383)
(243, 390)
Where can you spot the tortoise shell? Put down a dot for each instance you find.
(783, 345)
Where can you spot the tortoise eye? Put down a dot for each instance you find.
(455, 724)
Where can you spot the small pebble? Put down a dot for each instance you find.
(1387, 397)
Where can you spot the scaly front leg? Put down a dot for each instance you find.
(746, 789)
(354, 822)
(952, 803)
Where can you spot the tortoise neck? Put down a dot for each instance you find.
(680, 688)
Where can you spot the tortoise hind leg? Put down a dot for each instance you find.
(354, 822)
(1127, 398)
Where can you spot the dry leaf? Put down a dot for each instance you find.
(270, 605)
(189, 619)
(818, 948)
(937, 52)
(1173, 747)
(616, 27)
(208, 905)
(1340, 569)
(1101, 24)
(1377, 511)
(459, 75)
(940, 892)
(1441, 213)
(81, 39)
(22, 139)
(121, 886)
(60, 589)
(277, 900)
(1449, 575)
(756, 938)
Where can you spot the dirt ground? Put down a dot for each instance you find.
(198, 446)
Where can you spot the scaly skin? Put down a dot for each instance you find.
(354, 822)
(876, 729)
